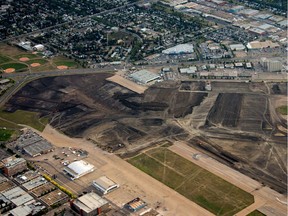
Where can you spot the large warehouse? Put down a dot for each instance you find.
(144, 76)
(179, 49)
(78, 169)
(104, 185)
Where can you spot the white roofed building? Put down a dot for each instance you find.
(104, 185)
(179, 49)
(78, 169)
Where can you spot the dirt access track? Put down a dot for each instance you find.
(236, 123)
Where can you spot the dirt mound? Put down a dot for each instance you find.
(24, 59)
(239, 121)
(9, 70)
(35, 64)
(62, 67)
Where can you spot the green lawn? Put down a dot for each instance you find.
(28, 55)
(4, 59)
(256, 213)
(197, 184)
(283, 110)
(5, 134)
(26, 118)
(66, 63)
(17, 66)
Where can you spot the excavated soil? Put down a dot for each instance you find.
(236, 123)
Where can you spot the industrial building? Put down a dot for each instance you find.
(179, 49)
(17, 196)
(29, 208)
(271, 65)
(237, 47)
(190, 70)
(144, 76)
(34, 183)
(89, 204)
(104, 185)
(261, 44)
(78, 169)
(13, 165)
(135, 205)
(33, 144)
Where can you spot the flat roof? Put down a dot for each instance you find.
(21, 211)
(34, 183)
(38, 147)
(259, 44)
(90, 202)
(17, 196)
(178, 49)
(144, 76)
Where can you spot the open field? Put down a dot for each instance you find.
(237, 123)
(26, 118)
(69, 64)
(27, 55)
(4, 59)
(5, 134)
(283, 110)
(16, 66)
(192, 181)
(256, 213)
(8, 124)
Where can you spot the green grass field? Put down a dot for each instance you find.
(4, 59)
(28, 55)
(197, 184)
(5, 134)
(283, 110)
(256, 213)
(17, 66)
(26, 118)
(66, 63)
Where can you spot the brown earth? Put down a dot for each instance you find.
(35, 65)
(24, 59)
(9, 70)
(62, 67)
(235, 123)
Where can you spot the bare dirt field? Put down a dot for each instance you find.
(236, 123)
(24, 59)
(127, 84)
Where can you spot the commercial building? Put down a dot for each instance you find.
(78, 169)
(261, 44)
(13, 165)
(29, 208)
(38, 47)
(237, 47)
(144, 76)
(104, 185)
(17, 196)
(179, 49)
(271, 65)
(236, 9)
(190, 70)
(89, 204)
(30, 185)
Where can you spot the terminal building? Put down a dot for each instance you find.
(104, 185)
(78, 169)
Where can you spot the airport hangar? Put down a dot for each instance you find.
(78, 169)
(144, 76)
(104, 185)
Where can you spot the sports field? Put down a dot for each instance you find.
(195, 183)
(256, 213)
